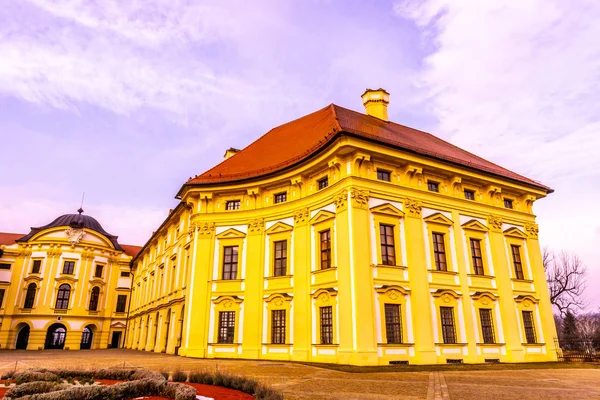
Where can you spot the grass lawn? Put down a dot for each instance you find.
(317, 381)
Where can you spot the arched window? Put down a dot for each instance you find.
(62, 300)
(94, 298)
(30, 297)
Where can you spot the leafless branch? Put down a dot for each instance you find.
(566, 275)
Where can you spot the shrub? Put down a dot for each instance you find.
(242, 383)
(30, 388)
(7, 375)
(33, 375)
(179, 391)
(204, 377)
(179, 376)
(165, 374)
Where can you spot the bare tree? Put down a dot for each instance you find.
(566, 275)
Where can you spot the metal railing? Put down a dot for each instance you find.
(578, 350)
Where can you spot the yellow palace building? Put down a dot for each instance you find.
(343, 237)
(64, 285)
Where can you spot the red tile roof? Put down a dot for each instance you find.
(10, 238)
(131, 250)
(297, 140)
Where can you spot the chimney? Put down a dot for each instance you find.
(376, 102)
(230, 152)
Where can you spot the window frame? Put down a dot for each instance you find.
(437, 253)
(476, 260)
(233, 205)
(30, 293)
(529, 327)
(469, 194)
(393, 323)
(326, 324)
(517, 264)
(2, 293)
(226, 333)
(508, 204)
(71, 269)
(387, 248)
(230, 274)
(280, 197)
(278, 326)
(122, 303)
(325, 263)
(280, 264)
(94, 299)
(382, 174)
(448, 324)
(62, 299)
(36, 266)
(323, 183)
(433, 186)
(488, 334)
(5, 266)
(96, 275)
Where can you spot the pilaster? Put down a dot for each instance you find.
(253, 293)
(302, 277)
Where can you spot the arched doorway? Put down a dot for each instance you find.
(86, 338)
(23, 337)
(55, 338)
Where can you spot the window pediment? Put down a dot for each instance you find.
(385, 289)
(35, 277)
(282, 296)
(321, 216)
(481, 295)
(515, 232)
(66, 278)
(438, 218)
(475, 225)
(230, 299)
(387, 209)
(231, 233)
(278, 228)
(443, 292)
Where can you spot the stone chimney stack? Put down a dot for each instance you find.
(376, 102)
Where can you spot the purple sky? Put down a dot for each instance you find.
(126, 100)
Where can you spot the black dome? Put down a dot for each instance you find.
(77, 221)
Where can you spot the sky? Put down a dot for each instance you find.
(126, 100)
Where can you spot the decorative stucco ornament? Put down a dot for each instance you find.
(75, 235)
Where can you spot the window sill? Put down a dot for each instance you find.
(60, 311)
(227, 280)
(402, 267)
(327, 345)
(25, 310)
(278, 344)
(224, 344)
(322, 271)
(533, 344)
(491, 344)
(521, 280)
(481, 276)
(437, 271)
(395, 344)
(451, 344)
(268, 278)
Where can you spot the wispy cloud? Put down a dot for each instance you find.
(518, 82)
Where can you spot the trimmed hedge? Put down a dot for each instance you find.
(30, 388)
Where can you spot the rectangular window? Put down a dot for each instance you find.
(448, 330)
(230, 262)
(393, 323)
(1, 296)
(280, 197)
(323, 183)
(226, 327)
(388, 252)
(469, 194)
(125, 274)
(121, 303)
(487, 325)
(476, 256)
(98, 272)
(68, 267)
(326, 325)
(232, 205)
(529, 327)
(280, 258)
(433, 186)
(4, 266)
(278, 326)
(37, 265)
(508, 203)
(384, 175)
(325, 237)
(516, 256)
(439, 251)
